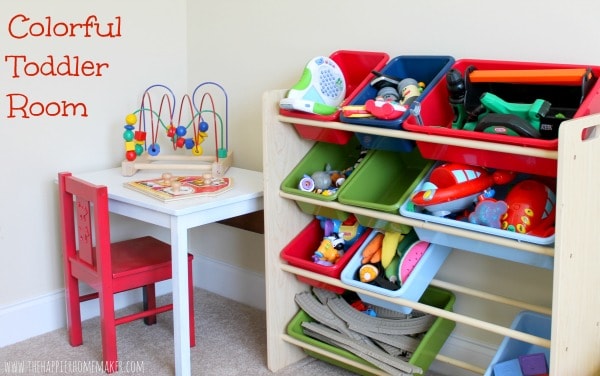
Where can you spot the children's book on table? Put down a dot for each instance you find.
(181, 187)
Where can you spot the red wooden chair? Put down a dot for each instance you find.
(109, 268)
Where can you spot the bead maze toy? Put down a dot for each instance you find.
(144, 154)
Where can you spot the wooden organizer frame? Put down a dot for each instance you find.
(575, 343)
(201, 163)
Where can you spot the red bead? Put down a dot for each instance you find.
(140, 135)
(171, 131)
(180, 142)
(130, 155)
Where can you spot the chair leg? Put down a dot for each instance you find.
(191, 306)
(109, 332)
(149, 298)
(73, 310)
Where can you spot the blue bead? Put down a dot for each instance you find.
(181, 131)
(189, 143)
(203, 126)
(154, 150)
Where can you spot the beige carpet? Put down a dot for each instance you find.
(230, 341)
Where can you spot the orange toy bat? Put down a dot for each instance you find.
(566, 76)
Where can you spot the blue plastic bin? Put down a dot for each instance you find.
(415, 285)
(477, 246)
(427, 69)
(528, 322)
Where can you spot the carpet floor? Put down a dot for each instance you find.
(230, 340)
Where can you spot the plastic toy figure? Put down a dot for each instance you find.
(409, 90)
(330, 250)
(349, 230)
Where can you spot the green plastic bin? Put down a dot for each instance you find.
(423, 356)
(339, 157)
(383, 182)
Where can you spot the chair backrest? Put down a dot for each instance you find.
(85, 224)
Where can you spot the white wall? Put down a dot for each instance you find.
(249, 47)
(151, 49)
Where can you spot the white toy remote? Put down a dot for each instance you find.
(320, 90)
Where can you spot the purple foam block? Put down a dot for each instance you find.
(533, 364)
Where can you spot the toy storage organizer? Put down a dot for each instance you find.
(437, 115)
(575, 338)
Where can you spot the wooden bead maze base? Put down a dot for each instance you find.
(217, 166)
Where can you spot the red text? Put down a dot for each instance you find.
(20, 26)
(21, 106)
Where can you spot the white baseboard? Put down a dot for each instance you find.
(230, 281)
(30, 318)
(23, 320)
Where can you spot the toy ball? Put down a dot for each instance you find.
(321, 179)
(131, 119)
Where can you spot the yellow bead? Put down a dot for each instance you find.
(197, 150)
(130, 145)
(201, 137)
(131, 119)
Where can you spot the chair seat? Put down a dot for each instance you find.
(139, 255)
(135, 262)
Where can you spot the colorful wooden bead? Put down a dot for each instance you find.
(130, 119)
(189, 143)
(197, 150)
(128, 135)
(130, 155)
(154, 150)
(203, 126)
(181, 131)
(171, 131)
(140, 135)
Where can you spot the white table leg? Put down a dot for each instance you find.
(181, 329)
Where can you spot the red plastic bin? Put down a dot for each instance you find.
(298, 253)
(437, 116)
(357, 67)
